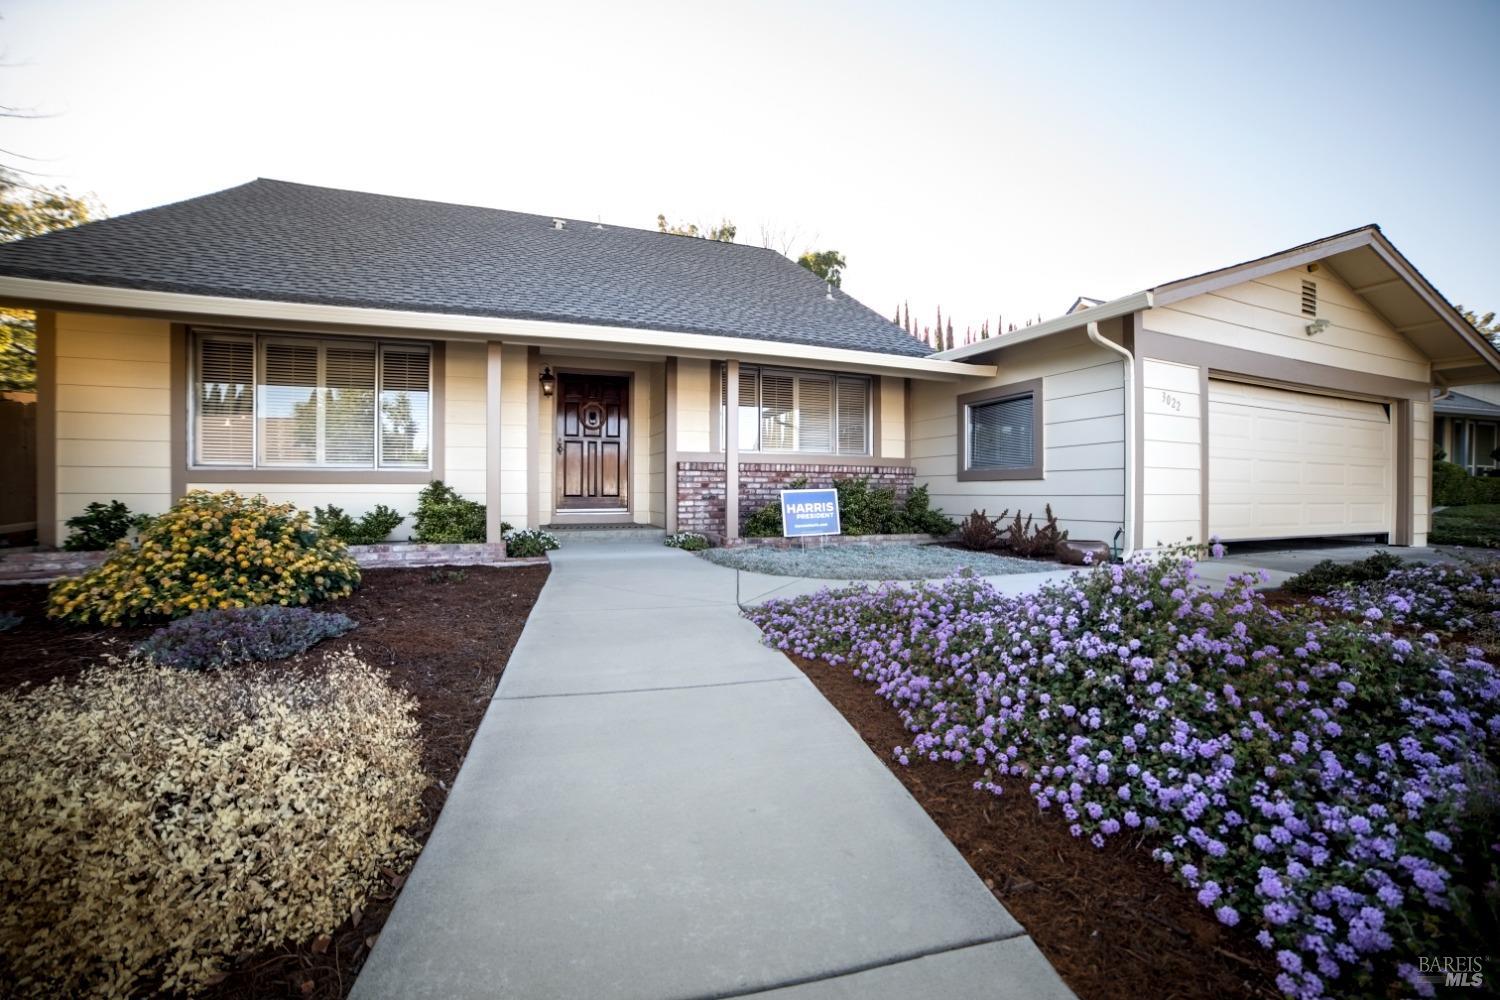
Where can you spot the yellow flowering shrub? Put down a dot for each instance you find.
(155, 823)
(211, 550)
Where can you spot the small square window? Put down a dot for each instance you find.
(1000, 433)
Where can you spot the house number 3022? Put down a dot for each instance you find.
(1174, 402)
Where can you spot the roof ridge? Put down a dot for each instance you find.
(543, 216)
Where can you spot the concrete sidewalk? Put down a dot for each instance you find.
(658, 806)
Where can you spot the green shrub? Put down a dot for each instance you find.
(864, 510)
(157, 823)
(688, 541)
(918, 517)
(1452, 486)
(1326, 576)
(528, 543)
(211, 550)
(765, 522)
(373, 527)
(101, 525)
(444, 516)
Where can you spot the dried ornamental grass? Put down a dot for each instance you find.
(211, 550)
(154, 823)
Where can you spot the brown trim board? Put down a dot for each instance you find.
(1015, 390)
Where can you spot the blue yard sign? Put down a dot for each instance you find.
(809, 513)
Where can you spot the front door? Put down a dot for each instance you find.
(593, 428)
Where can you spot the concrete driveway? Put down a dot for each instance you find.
(1282, 561)
(658, 806)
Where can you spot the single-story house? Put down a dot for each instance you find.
(326, 346)
(1467, 426)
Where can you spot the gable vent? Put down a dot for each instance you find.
(1309, 298)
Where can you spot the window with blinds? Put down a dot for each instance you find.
(1002, 434)
(796, 411)
(279, 402)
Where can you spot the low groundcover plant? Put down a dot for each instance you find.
(241, 635)
(1323, 775)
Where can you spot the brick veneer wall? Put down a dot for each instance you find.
(46, 565)
(700, 487)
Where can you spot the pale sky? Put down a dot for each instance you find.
(988, 157)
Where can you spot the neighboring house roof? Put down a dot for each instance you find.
(1456, 404)
(1368, 262)
(278, 241)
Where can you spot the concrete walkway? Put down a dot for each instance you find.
(658, 806)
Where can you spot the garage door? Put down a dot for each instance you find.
(1285, 464)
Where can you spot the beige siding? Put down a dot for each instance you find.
(892, 429)
(354, 498)
(1083, 438)
(695, 405)
(464, 416)
(1172, 456)
(1266, 315)
(114, 405)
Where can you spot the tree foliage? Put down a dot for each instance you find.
(826, 264)
(1486, 324)
(30, 210)
(724, 232)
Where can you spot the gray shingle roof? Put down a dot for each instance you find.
(1460, 405)
(297, 243)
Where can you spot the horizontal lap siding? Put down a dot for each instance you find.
(1083, 438)
(892, 425)
(114, 405)
(464, 438)
(1421, 471)
(1172, 453)
(1266, 315)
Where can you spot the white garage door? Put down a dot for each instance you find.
(1284, 464)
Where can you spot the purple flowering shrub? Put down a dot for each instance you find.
(240, 635)
(1303, 772)
(1440, 598)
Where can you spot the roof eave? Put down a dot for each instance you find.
(32, 293)
(1113, 309)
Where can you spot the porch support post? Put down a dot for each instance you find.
(46, 429)
(669, 487)
(731, 449)
(492, 442)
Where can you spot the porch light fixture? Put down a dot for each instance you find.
(548, 381)
(1316, 327)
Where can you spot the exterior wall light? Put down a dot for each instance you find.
(1316, 327)
(548, 381)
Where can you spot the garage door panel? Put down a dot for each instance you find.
(1285, 464)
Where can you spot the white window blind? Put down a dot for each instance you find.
(349, 405)
(288, 404)
(1001, 434)
(283, 402)
(814, 413)
(853, 416)
(405, 392)
(226, 408)
(796, 411)
(778, 411)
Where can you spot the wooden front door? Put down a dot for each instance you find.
(593, 442)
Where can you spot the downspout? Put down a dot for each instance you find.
(1130, 541)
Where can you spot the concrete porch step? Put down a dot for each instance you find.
(605, 534)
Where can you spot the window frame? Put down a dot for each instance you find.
(872, 387)
(1032, 389)
(260, 468)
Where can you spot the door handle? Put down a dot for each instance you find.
(559, 446)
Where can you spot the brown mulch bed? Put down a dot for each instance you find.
(443, 634)
(1113, 924)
